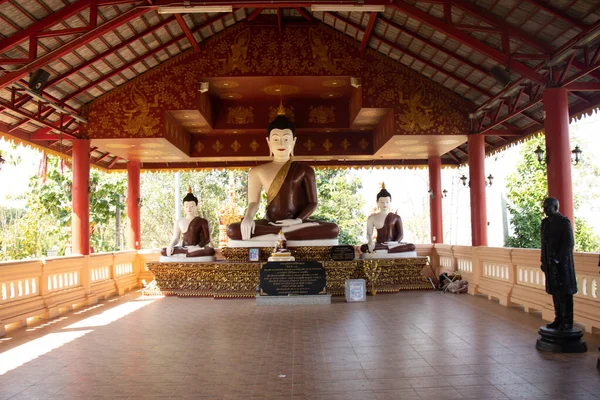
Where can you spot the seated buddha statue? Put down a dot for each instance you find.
(291, 197)
(389, 230)
(194, 232)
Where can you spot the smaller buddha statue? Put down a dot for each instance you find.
(194, 231)
(390, 233)
(280, 251)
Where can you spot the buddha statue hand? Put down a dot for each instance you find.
(247, 228)
(287, 222)
(371, 246)
(169, 251)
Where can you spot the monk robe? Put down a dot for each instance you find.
(196, 235)
(292, 194)
(391, 231)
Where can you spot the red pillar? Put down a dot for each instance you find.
(558, 152)
(435, 199)
(476, 146)
(80, 215)
(133, 207)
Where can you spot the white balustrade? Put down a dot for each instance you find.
(465, 265)
(588, 287)
(531, 276)
(63, 280)
(100, 273)
(446, 262)
(18, 289)
(495, 271)
(124, 269)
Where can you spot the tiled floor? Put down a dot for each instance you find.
(412, 345)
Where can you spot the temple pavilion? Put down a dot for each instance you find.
(123, 85)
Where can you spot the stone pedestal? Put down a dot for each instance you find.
(555, 341)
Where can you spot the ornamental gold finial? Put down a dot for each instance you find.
(281, 109)
(383, 185)
(189, 189)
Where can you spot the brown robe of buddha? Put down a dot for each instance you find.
(391, 231)
(296, 198)
(197, 234)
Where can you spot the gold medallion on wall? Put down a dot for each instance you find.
(309, 144)
(254, 145)
(240, 115)
(321, 115)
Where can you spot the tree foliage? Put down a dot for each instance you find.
(527, 188)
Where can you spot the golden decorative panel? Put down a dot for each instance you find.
(363, 144)
(226, 84)
(334, 83)
(240, 115)
(254, 145)
(309, 144)
(321, 115)
(327, 145)
(218, 146)
(238, 53)
(235, 146)
(199, 147)
(345, 144)
(289, 112)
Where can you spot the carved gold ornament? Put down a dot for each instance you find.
(321, 115)
(226, 84)
(334, 83)
(418, 115)
(289, 112)
(218, 146)
(199, 147)
(363, 144)
(239, 52)
(254, 145)
(281, 90)
(139, 121)
(235, 146)
(240, 115)
(309, 144)
(327, 145)
(345, 144)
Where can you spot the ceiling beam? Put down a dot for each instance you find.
(254, 14)
(188, 34)
(367, 34)
(415, 56)
(584, 87)
(307, 16)
(14, 76)
(470, 41)
(545, 6)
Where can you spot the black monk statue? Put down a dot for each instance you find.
(557, 264)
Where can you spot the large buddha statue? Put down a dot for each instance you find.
(194, 231)
(291, 198)
(390, 232)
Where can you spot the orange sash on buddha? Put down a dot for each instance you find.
(278, 182)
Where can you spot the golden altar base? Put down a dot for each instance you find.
(225, 279)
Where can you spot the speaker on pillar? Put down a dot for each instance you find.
(502, 75)
(38, 80)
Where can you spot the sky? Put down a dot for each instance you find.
(409, 188)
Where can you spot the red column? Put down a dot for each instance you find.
(80, 190)
(477, 183)
(435, 199)
(558, 152)
(133, 207)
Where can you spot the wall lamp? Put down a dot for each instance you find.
(432, 194)
(488, 182)
(575, 155)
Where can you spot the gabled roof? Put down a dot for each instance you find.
(91, 47)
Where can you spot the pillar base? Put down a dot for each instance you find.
(555, 341)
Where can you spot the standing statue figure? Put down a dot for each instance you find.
(291, 196)
(194, 230)
(557, 264)
(389, 229)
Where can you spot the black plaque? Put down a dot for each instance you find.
(292, 278)
(342, 253)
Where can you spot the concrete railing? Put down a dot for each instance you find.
(513, 277)
(46, 288)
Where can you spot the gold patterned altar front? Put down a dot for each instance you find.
(225, 279)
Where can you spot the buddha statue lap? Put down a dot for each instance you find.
(195, 234)
(388, 243)
(291, 198)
